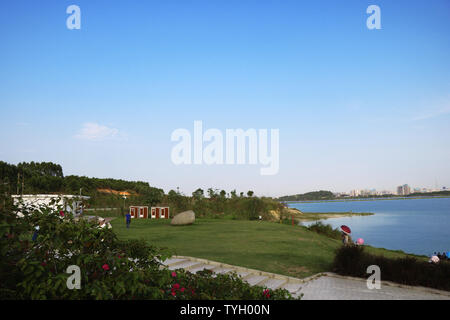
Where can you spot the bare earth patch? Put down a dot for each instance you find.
(298, 270)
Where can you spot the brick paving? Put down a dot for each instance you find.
(333, 287)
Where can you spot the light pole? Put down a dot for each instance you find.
(124, 199)
(79, 203)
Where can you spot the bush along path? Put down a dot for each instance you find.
(354, 260)
(35, 261)
(323, 286)
(267, 280)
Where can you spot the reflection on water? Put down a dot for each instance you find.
(420, 226)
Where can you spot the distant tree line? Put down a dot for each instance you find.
(315, 195)
(433, 194)
(328, 195)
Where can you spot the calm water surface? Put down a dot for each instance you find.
(420, 226)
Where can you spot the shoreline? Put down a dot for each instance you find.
(302, 216)
(316, 216)
(364, 199)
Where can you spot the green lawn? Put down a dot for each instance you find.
(266, 246)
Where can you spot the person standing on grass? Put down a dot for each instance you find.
(128, 219)
(345, 239)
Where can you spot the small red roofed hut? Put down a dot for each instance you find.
(139, 212)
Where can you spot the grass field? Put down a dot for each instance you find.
(104, 213)
(266, 246)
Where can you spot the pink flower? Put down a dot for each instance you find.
(105, 267)
(176, 286)
(174, 274)
(182, 289)
(173, 293)
(61, 213)
(266, 293)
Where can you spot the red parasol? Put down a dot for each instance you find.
(346, 229)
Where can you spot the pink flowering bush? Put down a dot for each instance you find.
(203, 286)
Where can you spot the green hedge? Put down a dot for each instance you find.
(353, 261)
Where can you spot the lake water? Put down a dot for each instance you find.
(420, 226)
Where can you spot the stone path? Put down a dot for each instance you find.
(326, 286)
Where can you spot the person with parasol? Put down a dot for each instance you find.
(346, 239)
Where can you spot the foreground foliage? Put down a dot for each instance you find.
(110, 268)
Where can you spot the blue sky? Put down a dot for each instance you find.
(356, 108)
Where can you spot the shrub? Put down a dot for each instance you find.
(203, 286)
(110, 268)
(325, 229)
(353, 261)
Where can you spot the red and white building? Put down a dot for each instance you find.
(160, 213)
(141, 212)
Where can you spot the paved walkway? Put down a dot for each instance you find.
(326, 286)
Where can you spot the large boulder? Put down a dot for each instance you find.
(184, 218)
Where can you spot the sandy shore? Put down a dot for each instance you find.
(312, 216)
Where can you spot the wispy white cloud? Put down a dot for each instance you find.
(432, 114)
(95, 132)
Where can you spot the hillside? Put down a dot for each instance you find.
(48, 178)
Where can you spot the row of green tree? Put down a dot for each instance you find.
(219, 203)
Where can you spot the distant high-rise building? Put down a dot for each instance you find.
(403, 190)
(406, 190)
(365, 193)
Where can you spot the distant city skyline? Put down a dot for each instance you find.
(399, 190)
(354, 107)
